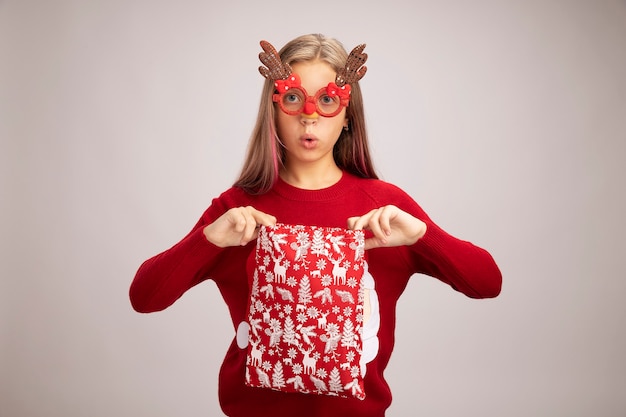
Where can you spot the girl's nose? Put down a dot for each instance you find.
(309, 119)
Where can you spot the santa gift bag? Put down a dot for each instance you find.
(305, 317)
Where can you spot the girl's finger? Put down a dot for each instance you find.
(360, 222)
(250, 225)
(385, 219)
(375, 226)
(263, 219)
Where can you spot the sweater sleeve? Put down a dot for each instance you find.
(164, 278)
(464, 266)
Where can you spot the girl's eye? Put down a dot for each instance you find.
(326, 100)
(292, 98)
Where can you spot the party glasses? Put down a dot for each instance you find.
(293, 99)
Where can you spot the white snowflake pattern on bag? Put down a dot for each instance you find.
(305, 318)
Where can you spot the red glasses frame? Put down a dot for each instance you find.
(310, 104)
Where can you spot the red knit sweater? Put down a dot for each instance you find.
(161, 280)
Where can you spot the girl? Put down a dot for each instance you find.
(308, 164)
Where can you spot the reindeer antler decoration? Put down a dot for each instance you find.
(275, 69)
(354, 69)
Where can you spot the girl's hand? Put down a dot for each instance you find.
(390, 226)
(238, 226)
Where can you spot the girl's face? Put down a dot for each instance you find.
(309, 139)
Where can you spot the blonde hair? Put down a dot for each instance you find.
(265, 155)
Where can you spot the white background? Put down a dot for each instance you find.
(120, 120)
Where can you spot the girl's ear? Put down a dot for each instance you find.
(346, 124)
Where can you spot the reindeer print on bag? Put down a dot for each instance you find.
(305, 326)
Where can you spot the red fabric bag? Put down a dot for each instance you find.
(305, 317)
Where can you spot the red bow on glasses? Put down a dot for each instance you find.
(334, 90)
(283, 85)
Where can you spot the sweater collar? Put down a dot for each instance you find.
(336, 190)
